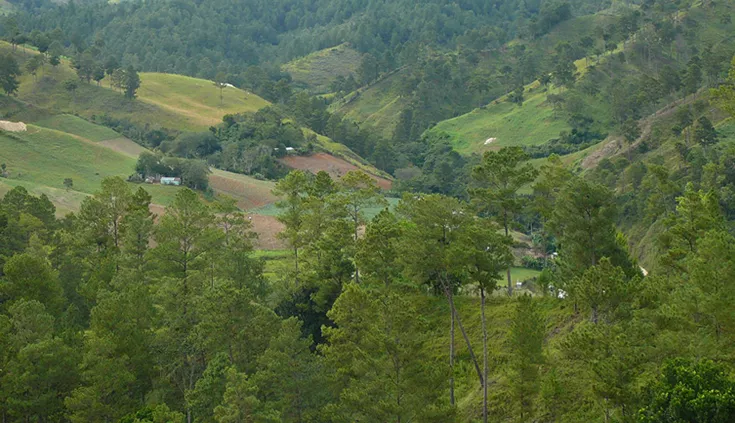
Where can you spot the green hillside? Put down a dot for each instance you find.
(196, 99)
(317, 70)
(505, 124)
(164, 100)
(44, 157)
(377, 105)
(78, 126)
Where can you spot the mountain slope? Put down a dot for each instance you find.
(317, 70)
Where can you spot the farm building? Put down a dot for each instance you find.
(170, 181)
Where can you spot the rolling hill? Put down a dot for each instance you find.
(167, 101)
(317, 70)
(196, 99)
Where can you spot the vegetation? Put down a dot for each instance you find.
(579, 152)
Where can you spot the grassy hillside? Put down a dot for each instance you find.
(164, 100)
(377, 105)
(79, 127)
(533, 123)
(196, 99)
(44, 157)
(5, 7)
(317, 70)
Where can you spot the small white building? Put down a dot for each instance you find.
(170, 181)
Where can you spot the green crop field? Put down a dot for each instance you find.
(42, 158)
(79, 127)
(317, 70)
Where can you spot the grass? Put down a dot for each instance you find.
(79, 127)
(65, 201)
(196, 99)
(370, 213)
(521, 274)
(164, 100)
(317, 70)
(377, 106)
(42, 158)
(531, 124)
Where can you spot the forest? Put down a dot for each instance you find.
(400, 305)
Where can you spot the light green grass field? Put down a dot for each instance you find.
(317, 70)
(42, 158)
(79, 127)
(196, 99)
(531, 124)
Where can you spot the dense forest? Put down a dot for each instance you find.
(99, 323)
(121, 312)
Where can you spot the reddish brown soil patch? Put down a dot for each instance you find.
(335, 166)
(267, 227)
(248, 195)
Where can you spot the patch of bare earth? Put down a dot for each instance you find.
(267, 227)
(12, 126)
(334, 166)
(248, 196)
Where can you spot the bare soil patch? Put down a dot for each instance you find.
(12, 126)
(267, 227)
(248, 195)
(335, 166)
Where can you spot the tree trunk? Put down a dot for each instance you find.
(357, 227)
(451, 355)
(510, 285)
(484, 357)
(464, 334)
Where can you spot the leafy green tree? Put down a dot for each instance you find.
(84, 64)
(293, 189)
(358, 192)
(693, 76)
(527, 333)
(369, 69)
(106, 380)
(433, 236)
(378, 250)
(497, 181)
(185, 236)
(697, 212)
(631, 132)
(377, 350)
(130, 82)
(690, 392)
(583, 222)
(9, 73)
(516, 96)
(241, 403)
(705, 133)
(291, 377)
(33, 65)
(603, 289)
(485, 254)
(220, 82)
(31, 278)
